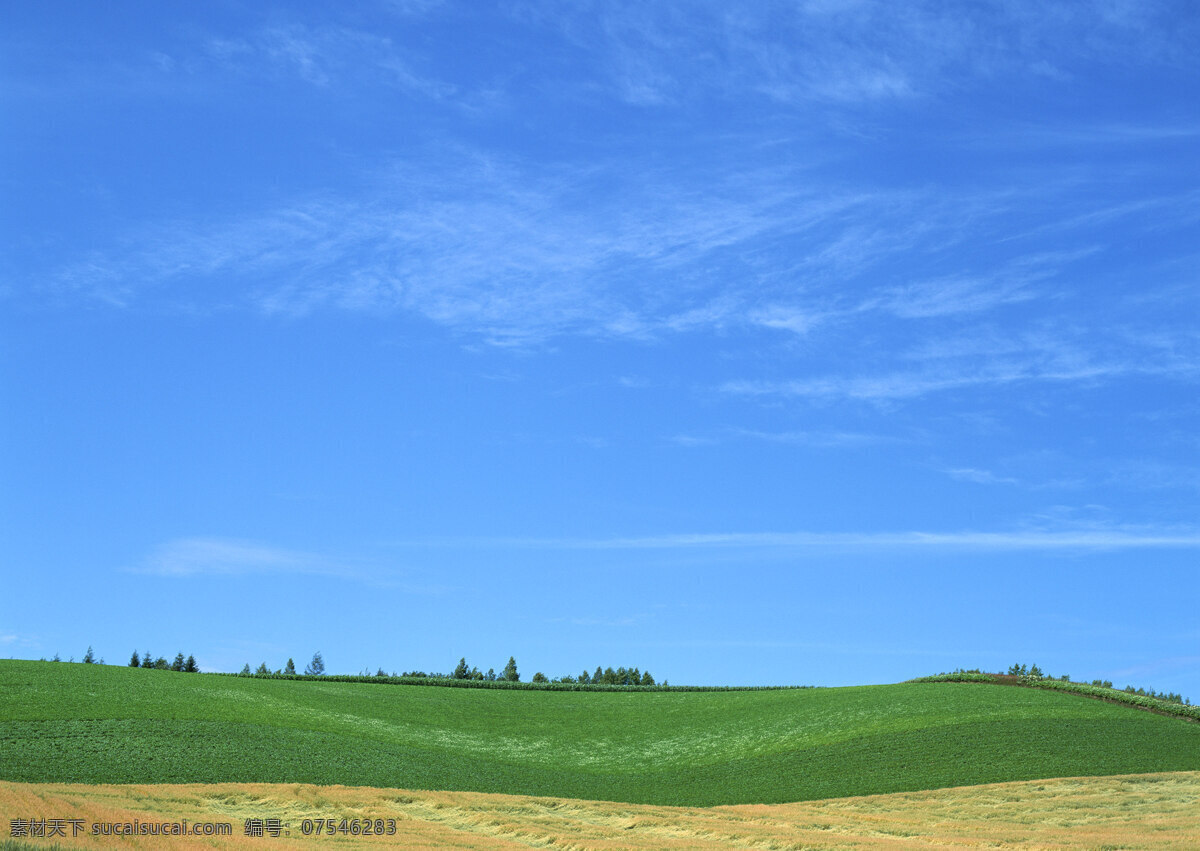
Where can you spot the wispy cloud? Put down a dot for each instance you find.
(324, 57)
(819, 439)
(217, 556)
(224, 557)
(854, 53)
(1076, 538)
(478, 245)
(986, 359)
(981, 477)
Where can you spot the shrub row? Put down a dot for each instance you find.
(448, 682)
(1115, 695)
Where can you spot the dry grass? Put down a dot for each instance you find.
(1126, 812)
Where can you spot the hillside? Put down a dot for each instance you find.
(99, 724)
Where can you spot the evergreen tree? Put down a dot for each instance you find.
(610, 676)
(635, 679)
(647, 680)
(90, 658)
(510, 671)
(147, 662)
(1036, 672)
(539, 677)
(316, 667)
(290, 667)
(134, 662)
(461, 672)
(380, 673)
(490, 676)
(246, 669)
(177, 665)
(476, 674)
(584, 678)
(262, 669)
(56, 658)
(190, 666)
(598, 677)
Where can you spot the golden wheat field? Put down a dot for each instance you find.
(1125, 812)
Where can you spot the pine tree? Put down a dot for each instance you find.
(598, 677)
(147, 662)
(490, 676)
(316, 667)
(134, 661)
(610, 676)
(161, 663)
(510, 671)
(90, 658)
(539, 677)
(190, 666)
(584, 678)
(647, 680)
(262, 669)
(177, 665)
(461, 672)
(246, 669)
(290, 667)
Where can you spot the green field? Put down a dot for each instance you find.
(102, 724)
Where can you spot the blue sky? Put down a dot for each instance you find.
(812, 342)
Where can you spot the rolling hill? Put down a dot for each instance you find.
(103, 724)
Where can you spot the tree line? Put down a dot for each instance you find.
(603, 676)
(622, 676)
(1032, 674)
(609, 676)
(187, 666)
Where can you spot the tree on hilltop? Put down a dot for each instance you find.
(510, 671)
(461, 671)
(90, 658)
(290, 667)
(316, 667)
(177, 665)
(190, 666)
(134, 661)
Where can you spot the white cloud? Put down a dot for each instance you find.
(1060, 537)
(217, 556)
(982, 477)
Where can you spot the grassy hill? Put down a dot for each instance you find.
(99, 724)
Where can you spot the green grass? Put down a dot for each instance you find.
(103, 724)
